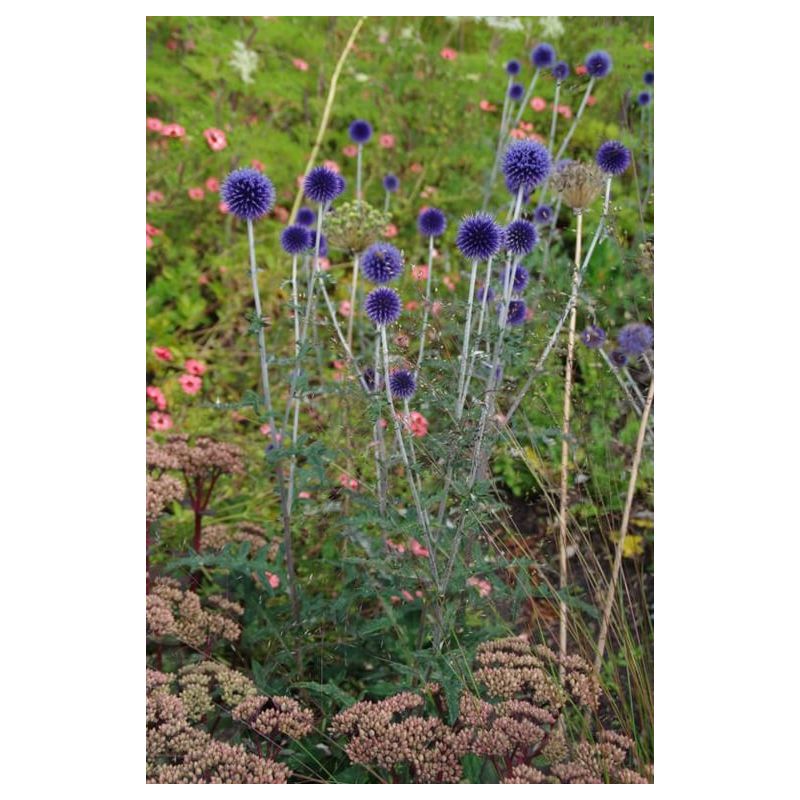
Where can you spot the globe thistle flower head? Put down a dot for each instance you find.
(618, 358)
(295, 239)
(516, 92)
(402, 384)
(323, 185)
(648, 77)
(542, 215)
(543, 56)
(488, 291)
(382, 306)
(560, 70)
(516, 312)
(513, 67)
(644, 98)
(520, 237)
(369, 378)
(598, 64)
(635, 338)
(248, 194)
(479, 237)
(519, 280)
(613, 157)
(525, 165)
(431, 222)
(391, 183)
(593, 337)
(382, 263)
(305, 216)
(578, 184)
(360, 131)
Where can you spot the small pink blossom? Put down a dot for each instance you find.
(298, 63)
(581, 69)
(304, 495)
(591, 100)
(203, 279)
(484, 587)
(428, 191)
(173, 131)
(345, 309)
(195, 367)
(395, 599)
(257, 165)
(332, 165)
(347, 482)
(526, 126)
(416, 168)
(419, 272)
(215, 139)
(149, 241)
(501, 419)
(536, 137)
(160, 421)
(273, 580)
(351, 151)
(538, 104)
(212, 184)
(396, 546)
(190, 384)
(448, 54)
(196, 193)
(565, 111)
(163, 353)
(485, 105)
(383, 423)
(155, 197)
(418, 424)
(528, 314)
(386, 141)
(324, 264)
(157, 396)
(448, 282)
(152, 230)
(408, 596)
(412, 305)
(281, 214)
(647, 45)
(418, 593)
(155, 124)
(223, 208)
(436, 307)
(417, 549)
(516, 133)
(390, 231)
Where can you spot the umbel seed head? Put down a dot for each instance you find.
(479, 237)
(431, 222)
(382, 306)
(323, 185)
(613, 157)
(382, 263)
(355, 225)
(402, 384)
(295, 239)
(525, 165)
(578, 184)
(248, 194)
(360, 131)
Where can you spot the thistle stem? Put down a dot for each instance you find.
(554, 120)
(352, 302)
(465, 343)
(614, 369)
(358, 177)
(379, 447)
(577, 119)
(426, 310)
(523, 105)
(487, 192)
(481, 316)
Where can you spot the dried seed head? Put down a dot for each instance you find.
(578, 184)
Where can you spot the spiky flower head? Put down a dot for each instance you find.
(543, 56)
(613, 157)
(479, 236)
(391, 183)
(382, 305)
(644, 98)
(578, 184)
(248, 194)
(525, 164)
(360, 131)
(542, 215)
(354, 226)
(635, 338)
(516, 312)
(431, 222)
(516, 92)
(323, 244)
(295, 239)
(513, 67)
(305, 216)
(521, 237)
(402, 384)
(382, 263)
(485, 290)
(560, 70)
(648, 77)
(618, 358)
(593, 337)
(519, 280)
(598, 64)
(323, 185)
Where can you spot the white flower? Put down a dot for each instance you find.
(503, 23)
(552, 27)
(361, 77)
(244, 61)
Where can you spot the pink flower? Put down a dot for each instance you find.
(436, 307)
(420, 272)
(345, 309)
(304, 495)
(196, 193)
(383, 423)
(538, 104)
(351, 151)
(516, 133)
(418, 593)
(163, 353)
(417, 549)
(386, 140)
(203, 279)
(157, 396)
(152, 230)
(332, 165)
(149, 242)
(484, 587)
(257, 165)
(419, 425)
(485, 105)
(448, 282)
(194, 367)
(591, 100)
(580, 69)
(324, 264)
(526, 126)
(160, 421)
(428, 191)
(402, 340)
(281, 214)
(448, 54)
(390, 231)
(408, 596)
(173, 131)
(154, 124)
(395, 599)
(412, 305)
(528, 314)
(536, 137)
(347, 482)
(212, 184)
(339, 364)
(190, 384)
(298, 63)
(396, 546)
(565, 112)
(647, 45)
(155, 197)
(273, 580)
(223, 208)
(416, 168)
(215, 139)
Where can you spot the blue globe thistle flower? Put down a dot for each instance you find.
(542, 215)
(479, 237)
(382, 306)
(613, 157)
(248, 194)
(520, 279)
(644, 98)
(543, 56)
(525, 164)
(516, 312)
(520, 237)
(295, 239)
(648, 77)
(513, 67)
(618, 358)
(431, 222)
(489, 294)
(391, 183)
(402, 384)
(381, 263)
(369, 378)
(560, 70)
(323, 185)
(598, 64)
(360, 131)
(305, 216)
(635, 338)
(340, 182)
(593, 337)
(323, 244)
(516, 92)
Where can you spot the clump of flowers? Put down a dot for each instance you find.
(270, 716)
(354, 226)
(216, 537)
(161, 491)
(635, 338)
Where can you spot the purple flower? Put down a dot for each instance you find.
(323, 185)
(295, 239)
(525, 164)
(402, 384)
(560, 70)
(513, 67)
(516, 312)
(598, 64)
(618, 358)
(381, 263)
(520, 279)
(431, 222)
(593, 337)
(305, 216)
(635, 338)
(360, 131)
(391, 183)
(644, 98)
(479, 237)
(543, 56)
(648, 77)
(613, 157)
(489, 294)
(516, 91)
(382, 306)
(248, 194)
(369, 378)
(323, 244)
(542, 215)
(520, 237)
